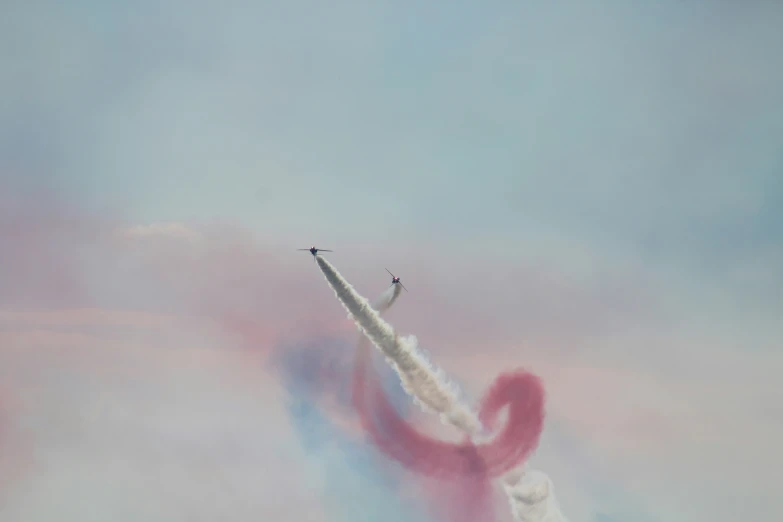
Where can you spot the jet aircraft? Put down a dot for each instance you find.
(315, 251)
(396, 280)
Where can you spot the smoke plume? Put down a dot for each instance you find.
(471, 463)
(423, 382)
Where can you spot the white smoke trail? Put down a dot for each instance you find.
(386, 301)
(531, 495)
(420, 379)
(530, 492)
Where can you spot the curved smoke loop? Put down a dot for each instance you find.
(520, 391)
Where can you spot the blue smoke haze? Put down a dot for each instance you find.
(361, 484)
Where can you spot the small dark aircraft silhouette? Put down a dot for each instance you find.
(314, 250)
(396, 280)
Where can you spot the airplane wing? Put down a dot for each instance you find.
(303, 249)
(403, 286)
(389, 272)
(324, 250)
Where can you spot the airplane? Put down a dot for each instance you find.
(396, 280)
(314, 250)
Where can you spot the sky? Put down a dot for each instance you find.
(593, 192)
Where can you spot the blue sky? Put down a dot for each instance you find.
(594, 189)
(635, 138)
(630, 124)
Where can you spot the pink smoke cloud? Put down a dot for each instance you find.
(223, 272)
(39, 241)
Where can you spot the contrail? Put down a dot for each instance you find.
(465, 498)
(400, 441)
(426, 384)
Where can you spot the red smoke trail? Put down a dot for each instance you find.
(462, 490)
(522, 392)
(468, 466)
